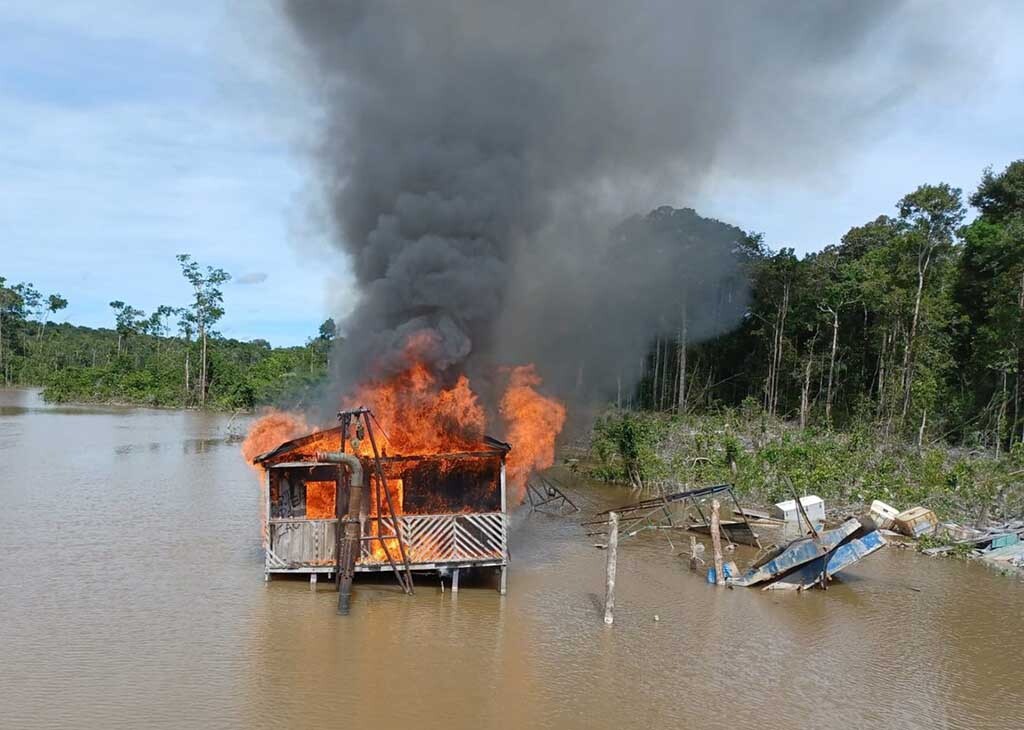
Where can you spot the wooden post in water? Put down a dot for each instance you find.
(716, 542)
(613, 553)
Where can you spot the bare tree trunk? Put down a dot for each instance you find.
(831, 366)
(805, 394)
(923, 261)
(202, 372)
(805, 390)
(188, 357)
(683, 331)
(771, 366)
(881, 374)
(999, 417)
(780, 330)
(657, 373)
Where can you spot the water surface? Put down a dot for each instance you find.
(132, 595)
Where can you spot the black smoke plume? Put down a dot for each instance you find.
(478, 155)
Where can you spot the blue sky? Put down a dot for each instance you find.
(131, 131)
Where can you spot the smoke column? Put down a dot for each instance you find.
(475, 156)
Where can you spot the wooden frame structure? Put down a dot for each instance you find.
(463, 523)
(676, 512)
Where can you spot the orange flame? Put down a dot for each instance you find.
(267, 433)
(534, 422)
(420, 416)
(423, 417)
(270, 431)
(395, 488)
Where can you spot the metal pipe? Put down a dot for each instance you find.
(349, 546)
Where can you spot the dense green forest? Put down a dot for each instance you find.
(172, 357)
(888, 365)
(913, 321)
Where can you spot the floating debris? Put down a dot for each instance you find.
(813, 560)
(916, 521)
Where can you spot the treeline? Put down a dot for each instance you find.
(171, 357)
(913, 322)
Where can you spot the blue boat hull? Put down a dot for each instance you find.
(842, 557)
(800, 553)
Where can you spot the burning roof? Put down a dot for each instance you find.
(330, 439)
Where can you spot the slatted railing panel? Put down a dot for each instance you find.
(447, 538)
(429, 538)
(479, 536)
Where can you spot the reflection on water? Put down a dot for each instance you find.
(132, 596)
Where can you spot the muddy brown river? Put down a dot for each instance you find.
(132, 596)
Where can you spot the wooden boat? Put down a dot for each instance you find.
(811, 574)
(798, 553)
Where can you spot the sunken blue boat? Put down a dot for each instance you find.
(805, 562)
(813, 573)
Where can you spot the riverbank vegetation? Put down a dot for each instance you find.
(747, 447)
(889, 365)
(171, 357)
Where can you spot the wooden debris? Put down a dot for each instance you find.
(716, 543)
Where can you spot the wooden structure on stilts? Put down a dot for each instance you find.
(439, 513)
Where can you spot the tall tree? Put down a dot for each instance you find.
(835, 280)
(990, 295)
(11, 308)
(932, 214)
(54, 303)
(128, 321)
(206, 309)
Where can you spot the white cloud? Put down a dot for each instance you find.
(111, 169)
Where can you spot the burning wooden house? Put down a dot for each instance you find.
(428, 512)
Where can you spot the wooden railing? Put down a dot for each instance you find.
(429, 539)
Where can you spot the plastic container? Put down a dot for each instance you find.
(813, 506)
(728, 569)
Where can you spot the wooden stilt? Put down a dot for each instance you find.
(503, 580)
(455, 581)
(312, 582)
(613, 554)
(716, 542)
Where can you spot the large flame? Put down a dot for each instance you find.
(533, 423)
(267, 433)
(418, 415)
(270, 431)
(421, 417)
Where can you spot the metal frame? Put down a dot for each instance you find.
(657, 513)
(540, 497)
